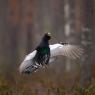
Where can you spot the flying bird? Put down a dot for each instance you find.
(45, 54)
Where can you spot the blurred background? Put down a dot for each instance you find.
(22, 25)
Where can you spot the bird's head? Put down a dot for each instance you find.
(47, 36)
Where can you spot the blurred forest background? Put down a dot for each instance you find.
(22, 25)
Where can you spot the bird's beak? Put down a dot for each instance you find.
(49, 34)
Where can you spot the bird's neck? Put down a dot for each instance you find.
(45, 42)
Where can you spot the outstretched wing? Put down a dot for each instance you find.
(30, 56)
(27, 65)
(70, 51)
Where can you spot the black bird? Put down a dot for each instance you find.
(45, 54)
(41, 57)
(43, 51)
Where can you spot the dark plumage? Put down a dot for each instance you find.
(43, 51)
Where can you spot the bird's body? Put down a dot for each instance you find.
(42, 56)
(43, 51)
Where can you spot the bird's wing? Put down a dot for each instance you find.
(70, 51)
(31, 55)
(28, 62)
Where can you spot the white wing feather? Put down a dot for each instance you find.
(70, 51)
(27, 61)
(30, 56)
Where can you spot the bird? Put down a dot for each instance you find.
(42, 55)
(45, 54)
